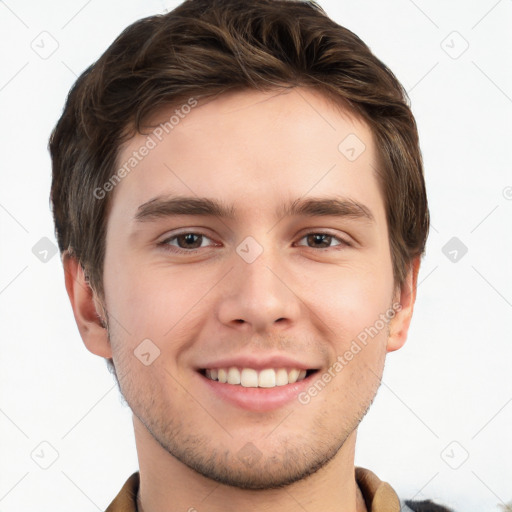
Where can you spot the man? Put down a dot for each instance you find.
(239, 202)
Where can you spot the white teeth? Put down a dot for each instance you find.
(250, 378)
(293, 375)
(281, 377)
(267, 378)
(233, 376)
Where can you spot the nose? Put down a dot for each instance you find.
(258, 296)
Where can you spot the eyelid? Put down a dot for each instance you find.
(164, 243)
(344, 240)
(184, 231)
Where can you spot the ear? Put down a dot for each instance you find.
(87, 308)
(406, 297)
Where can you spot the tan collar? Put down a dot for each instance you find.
(126, 500)
(379, 496)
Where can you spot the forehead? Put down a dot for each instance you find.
(250, 147)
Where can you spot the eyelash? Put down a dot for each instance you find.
(164, 244)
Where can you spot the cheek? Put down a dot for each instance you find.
(146, 303)
(351, 299)
(158, 303)
(358, 330)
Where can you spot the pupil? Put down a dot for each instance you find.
(319, 239)
(188, 240)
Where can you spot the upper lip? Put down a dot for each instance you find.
(259, 363)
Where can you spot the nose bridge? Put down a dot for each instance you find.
(257, 296)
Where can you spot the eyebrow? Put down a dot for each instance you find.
(162, 207)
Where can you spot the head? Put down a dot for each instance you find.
(238, 178)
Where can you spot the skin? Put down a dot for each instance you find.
(253, 151)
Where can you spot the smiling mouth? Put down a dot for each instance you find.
(251, 378)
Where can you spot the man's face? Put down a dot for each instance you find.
(267, 292)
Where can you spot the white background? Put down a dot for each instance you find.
(446, 395)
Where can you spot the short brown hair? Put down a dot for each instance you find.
(207, 47)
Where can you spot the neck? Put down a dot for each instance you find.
(165, 481)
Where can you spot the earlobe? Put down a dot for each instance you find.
(405, 297)
(86, 306)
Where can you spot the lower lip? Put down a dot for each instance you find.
(257, 399)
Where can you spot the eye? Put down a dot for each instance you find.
(186, 242)
(322, 241)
